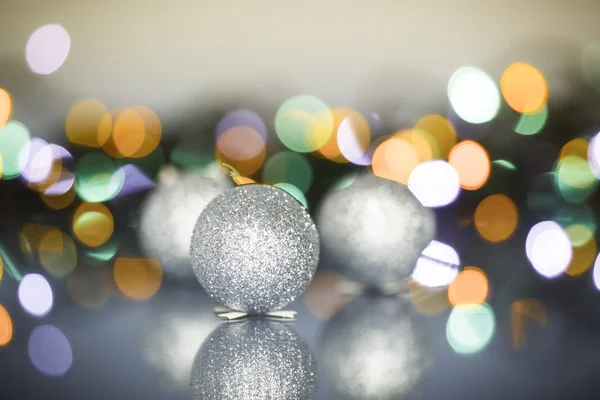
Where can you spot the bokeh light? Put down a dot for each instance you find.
(137, 278)
(584, 251)
(14, 136)
(532, 123)
(136, 133)
(6, 327)
(32, 234)
(505, 164)
(288, 167)
(65, 181)
(1, 268)
(395, 159)
(93, 224)
(473, 95)
(89, 123)
(304, 123)
(442, 131)
(323, 297)
(472, 163)
(470, 287)
(105, 252)
(294, 192)
(97, 178)
(574, 179)
(242, 118)
(524, 88)
(548, 249)
(596, 272)
(590, 64)
(58, 254)
(470, 328)
(434, 183)
(61, 201)
(522, 311)
(5, 107)
(438, 265)
(47, 48)
(578, 147)
(496, 218)
(49, 350)
(38, 162)
(428, 301)
(243, 148)
(593, 155)
(35, 295)
(353, 139)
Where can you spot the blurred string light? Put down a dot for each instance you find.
(243, 148)
(441, 131)
(548, 248)
(524, 88)
(473, 95)
(35, 295)
(435, 183)
(93, 224)
(496, 218)
(49, 350)
(97, 178)
(6, 327)
(472, 163)
(5, 106)
(14, 136)
(241, 118)
(532, 123)
(395, 159)
(294, 191)
(288, 167)
(304, 123)
(323, 297)
(136, 133)
(470, 328)
(58, 254)
(89, 124)
(438, 265)
(522, 311)
(593, 155)
(590, 64)
(137, 278)
(90, 288)
(470, 287)
(47, 49)
(350, 131)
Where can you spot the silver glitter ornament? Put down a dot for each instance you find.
(254, 249)
(178, 323)
(168, 217)
(254, 359)
(374, 350)
(375, 229)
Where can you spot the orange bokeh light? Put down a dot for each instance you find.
(5, 107)
(442, 131)
(420, 141)
(496, 218)
(61, 201)
(472, 163)
(576, 147)
(243, 148)
(583, 258)
(6, 327)
(470, 287)
(395, 159)
(524, 88)
(128, 132)
(89, 123)
(137, 278)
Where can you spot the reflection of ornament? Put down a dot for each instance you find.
(376, 229)
(254, 359)
(374, 349)
(168, 217)
(254, 249)
(179, 324)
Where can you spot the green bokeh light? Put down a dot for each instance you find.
(470, 328)
(96, 179)
(288, 167)
(530, 124)
(505, 164)
(14, 136)
(293, 191)
(574, 179)
(105, 252)
(568, 215)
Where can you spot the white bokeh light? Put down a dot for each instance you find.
(47, 49)
(35, 295)
(548, 248)
(596, 272)
(434, 183)
(431, 273)
(594, 155)
(350, 146)
(473, 95)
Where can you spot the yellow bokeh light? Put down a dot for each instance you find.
(420, 141)
(137, 278)
(330, 148)
(323, 298)
(470, 287)
(576, 147)
(6, 327)
(520, 312)
(152, 133)
(524, 88)
(89, 123)
(61, 201)
(472, 163)
(583, 256)
(32, 235)
(93, 224)
(5, 107)
(395, 159)
(128, 132)
(496, 218)
(442, 131)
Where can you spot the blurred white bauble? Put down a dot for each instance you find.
(375, 229)
(254, 359)
(168, 217)
(374, 349)
(178, 323)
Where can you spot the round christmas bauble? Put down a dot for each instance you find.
(375, 229)
(374, 349)
(168, 216)
(254, 248)
(254, 359)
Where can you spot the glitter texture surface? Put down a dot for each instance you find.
(374, 349)
(255, 359)
(255, 249)
(168, 217)
(375, 229)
